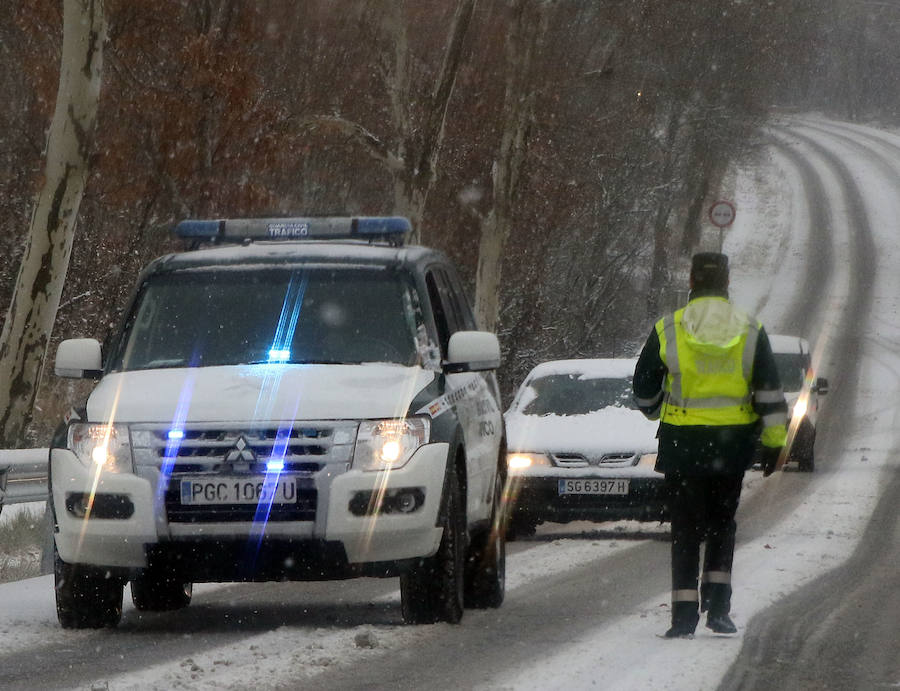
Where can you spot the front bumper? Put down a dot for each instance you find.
(132, 521)
(537, 498)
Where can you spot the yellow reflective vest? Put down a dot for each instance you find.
(708, 348)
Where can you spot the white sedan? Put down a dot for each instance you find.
(579, 449)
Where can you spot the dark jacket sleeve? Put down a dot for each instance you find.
(768, 397)
(649, 377)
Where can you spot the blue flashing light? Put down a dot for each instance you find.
(383, 225)
(392, 229)
(275, 465)
(279, 355)
(199, 230)
(175, 434)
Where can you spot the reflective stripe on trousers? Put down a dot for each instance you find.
(716, 577)
(685, 596)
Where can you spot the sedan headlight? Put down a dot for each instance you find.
(520, 460)
(98, 446)
(385, 444)
(647, 460)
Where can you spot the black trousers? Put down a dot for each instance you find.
(702, 509)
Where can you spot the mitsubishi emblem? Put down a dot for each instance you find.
(241, 452)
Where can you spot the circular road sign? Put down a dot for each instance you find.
(722, 214)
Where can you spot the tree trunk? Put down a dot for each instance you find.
(29, 323)
(421, 169)
(522, 44)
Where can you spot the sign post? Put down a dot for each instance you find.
(722, 214)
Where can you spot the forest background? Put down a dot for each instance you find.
(563, 152)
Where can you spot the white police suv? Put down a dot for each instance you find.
(298, 399)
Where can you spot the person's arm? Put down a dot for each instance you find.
(649, 377)
(768, 397)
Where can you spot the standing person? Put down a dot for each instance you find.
(708, 374)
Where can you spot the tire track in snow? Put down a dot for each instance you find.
(804, 312)
(791, 630)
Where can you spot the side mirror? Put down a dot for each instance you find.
(472, 351)
(79, 358)
(821, 386)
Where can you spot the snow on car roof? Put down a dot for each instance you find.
(286, 252)
(586, 368)
(290, 250)
(783, 343)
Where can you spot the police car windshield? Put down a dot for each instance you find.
(791, 370)
(221, 316)
(568, 394)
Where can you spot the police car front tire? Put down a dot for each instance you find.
(521, 526)
(486, 563)
(432, 590)
(86, 597)
(154, 591)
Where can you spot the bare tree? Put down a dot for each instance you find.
(529, 26)
(412, 160)
(29, 323)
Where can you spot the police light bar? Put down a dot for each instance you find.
(390, 228)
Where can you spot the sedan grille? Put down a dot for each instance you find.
(622, 459)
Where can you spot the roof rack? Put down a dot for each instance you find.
(390, 229)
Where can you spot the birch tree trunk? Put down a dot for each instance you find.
(413, 161)
(518, 109)
(421, 170)
(32, 311)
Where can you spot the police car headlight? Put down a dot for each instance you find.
(101, 447)
(385, 444)
(520, 460)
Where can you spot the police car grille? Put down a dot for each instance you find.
(242, 451)
(304, 448)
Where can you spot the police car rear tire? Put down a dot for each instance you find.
(486, 562)
(432, 590)
(86, 597)
(154, 591)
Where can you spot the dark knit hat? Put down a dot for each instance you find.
(709, 270)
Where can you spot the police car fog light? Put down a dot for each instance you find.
(360, 504)
(406, 502)
(402, 500)
(76, 504)
(109, 506)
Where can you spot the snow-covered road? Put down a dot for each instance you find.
(792, 528)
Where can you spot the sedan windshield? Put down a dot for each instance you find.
(570, 394)
(220, 316)
(791, 370)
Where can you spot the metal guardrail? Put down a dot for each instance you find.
(24, 473)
